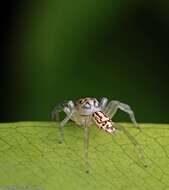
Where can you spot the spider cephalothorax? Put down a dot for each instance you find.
(87, 106)
(90, 107)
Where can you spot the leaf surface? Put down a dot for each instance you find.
(31, 158)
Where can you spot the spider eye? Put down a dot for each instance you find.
(81, 101)
(87, 106)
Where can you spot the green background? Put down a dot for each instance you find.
(70, 49)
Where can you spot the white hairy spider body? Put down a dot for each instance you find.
(103, 122)
(88, 111)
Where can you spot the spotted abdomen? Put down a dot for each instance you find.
(103, 122)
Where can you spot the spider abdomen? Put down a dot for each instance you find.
(103, 122)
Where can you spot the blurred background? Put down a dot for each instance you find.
(60, 50)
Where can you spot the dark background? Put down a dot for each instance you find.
(56, 50)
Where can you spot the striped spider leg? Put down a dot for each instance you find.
(137, 146)
(81, 113)
(68, 108)
(110, 110)
(112, 107)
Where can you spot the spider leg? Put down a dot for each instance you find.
(68, 108)
(138, 147)
(57, 109)
(103, 102)
(113, 106)
(86, 144)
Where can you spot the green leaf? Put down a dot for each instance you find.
(31, 158)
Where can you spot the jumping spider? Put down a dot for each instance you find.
(88, 111)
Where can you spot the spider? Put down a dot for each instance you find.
(88, 111)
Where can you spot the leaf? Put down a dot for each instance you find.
(31, 158)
